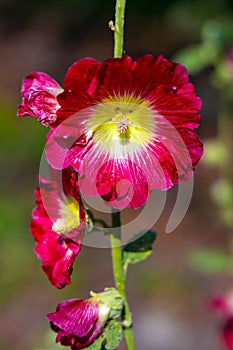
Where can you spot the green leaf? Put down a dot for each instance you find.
(113, 334)
(110, 339)
(210, 261)
(138, 248)
(97, 345)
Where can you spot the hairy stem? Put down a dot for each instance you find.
(119, 277)
(117, 259)
(119, 28)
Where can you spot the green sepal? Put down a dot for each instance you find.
(89, 220)
(97, 345)
(110, 339)
(113, 334)
(112, 299)
(138, 248)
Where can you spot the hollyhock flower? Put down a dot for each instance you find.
(58, 226)
(79, 322)
(227, 333)
(224, 304)
(126, 127)
(39, 98)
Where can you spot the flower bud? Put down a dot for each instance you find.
(79, 322)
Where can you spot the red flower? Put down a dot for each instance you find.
(126, 127)
(224, 304)
(228, 333)
(39, 98)
(58, 226)
(79, 322)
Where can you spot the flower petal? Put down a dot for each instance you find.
(122, 183)
(180, 107)
(56, 250)
(228, 333)
(114, 151)
(79, 87)
(76, 316)
(114, 77)
(39, 93)
(150, 71)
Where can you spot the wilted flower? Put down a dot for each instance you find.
(39, 98)
(79, 322)
(58, 225)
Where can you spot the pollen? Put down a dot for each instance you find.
(69, 216)
(121, 125)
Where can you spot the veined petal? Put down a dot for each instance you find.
(39, 93)
(138, 127)
(82, 95)
(58, 226)
(178, 106)
(79, 322)
(76, 316)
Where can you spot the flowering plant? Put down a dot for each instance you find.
(58, 226)
(224, 305)
(79, 322)
(118, 130)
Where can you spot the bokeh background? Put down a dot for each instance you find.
(170, 292)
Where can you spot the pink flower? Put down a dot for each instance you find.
(228, 333)
(40, 98)
(58, 226)
(79, 322)
(137, 134)
(126, 127)
(224, 304)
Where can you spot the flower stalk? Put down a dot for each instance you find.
(117, 260)
(119, 28)
(120, 278)
(131, 89)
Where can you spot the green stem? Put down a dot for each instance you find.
(119, 277)
(116, 243)
(119, 28)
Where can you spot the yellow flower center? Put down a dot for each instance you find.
(121, 125)
(69, 216)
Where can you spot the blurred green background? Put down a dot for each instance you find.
(169, 293)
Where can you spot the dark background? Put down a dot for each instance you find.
(168, 295)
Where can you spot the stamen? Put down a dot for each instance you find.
(69, 216)
(122, 124)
